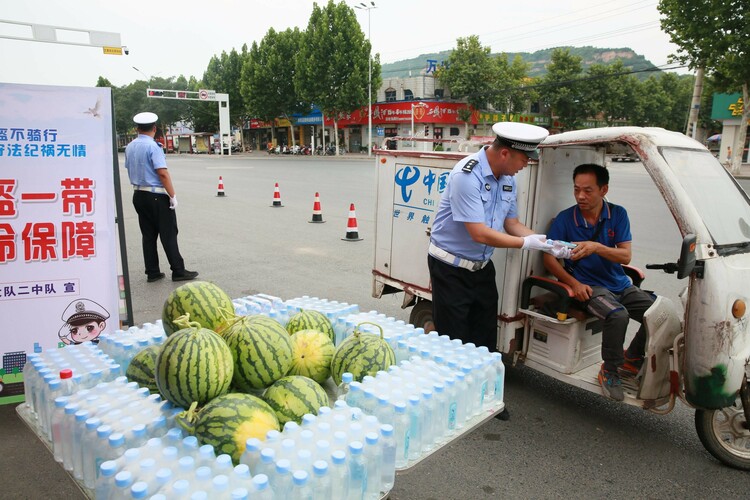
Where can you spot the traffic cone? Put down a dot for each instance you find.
(220, 192)
(276, 196)
(317, 215)
(352, 232)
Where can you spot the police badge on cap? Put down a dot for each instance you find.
(521, 137)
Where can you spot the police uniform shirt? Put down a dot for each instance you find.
(475, 196)
(570, 225)
(143, 157)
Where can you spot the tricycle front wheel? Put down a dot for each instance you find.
(725, 434)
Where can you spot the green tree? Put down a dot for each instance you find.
(268, 77)
(332, 65)
(474, 75)
(511, 97)
(563, 91)
(103, 82)
(714, 35)
(607, 88)
(223, 74)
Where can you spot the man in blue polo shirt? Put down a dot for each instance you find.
(154, 200)
(601, 232)
(477, 213)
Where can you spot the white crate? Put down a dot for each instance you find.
(565, 347)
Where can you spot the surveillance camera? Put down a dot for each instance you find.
(126, 50)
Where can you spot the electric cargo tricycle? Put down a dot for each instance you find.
(698, 340)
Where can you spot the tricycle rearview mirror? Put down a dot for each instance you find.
(686, 263)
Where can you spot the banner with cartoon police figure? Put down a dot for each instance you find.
(58, 246)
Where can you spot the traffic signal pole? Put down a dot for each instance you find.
(225, 131)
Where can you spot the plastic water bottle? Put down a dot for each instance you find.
(261, 488)
(223, 464)
(282, 480)
(388, 462)
(339, 472)
(304, 460)
(452, 406)
(402, 434)
(428, 410)
(266, 465)
(343, 388)
(497, 362)
(301, 489)
(374, 459)
(240, 494)
(357, 471)
(58, 415)
(123, 482)
(322, 486)
(206, 456)
(203, 478)
(240, 477)
(251, 455)
(415, 428)
(355, 396)
(105, 482)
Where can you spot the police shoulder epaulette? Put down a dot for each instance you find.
(470, 165)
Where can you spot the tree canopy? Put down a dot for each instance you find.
(714, 35)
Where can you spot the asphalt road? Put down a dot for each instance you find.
(560, 442)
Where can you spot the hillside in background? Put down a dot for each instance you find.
(538, 60)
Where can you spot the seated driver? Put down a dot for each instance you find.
(601, 231)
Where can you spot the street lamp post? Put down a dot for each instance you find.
(368, 8)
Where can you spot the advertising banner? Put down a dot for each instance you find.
(58, 234)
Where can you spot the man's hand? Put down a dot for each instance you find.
(173, 202)
(581, 292)
(584, 249)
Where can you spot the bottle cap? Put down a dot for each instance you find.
(386, 430)
(347, 378)
(66, 373)
(240, 494)
(123, 478)
(355, 448)
(260, 481)
(108, 468)
(299, 477)
(320, 467)
(283, 466)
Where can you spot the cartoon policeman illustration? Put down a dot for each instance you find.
(84, 321)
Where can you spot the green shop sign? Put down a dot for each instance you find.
(726, 106)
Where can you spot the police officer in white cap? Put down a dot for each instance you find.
(154, 200)
(477, 213)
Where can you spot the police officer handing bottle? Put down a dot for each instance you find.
(478, 213)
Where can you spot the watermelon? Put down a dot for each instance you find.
(205, 302)
(142, 366)
(228, 421)
(311, 355)
(310, 320)
(261, 350)
(294, 396)
(194, 365)
(362, 354)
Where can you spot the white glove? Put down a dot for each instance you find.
(173, 202)
(559, 251)
(536, 242)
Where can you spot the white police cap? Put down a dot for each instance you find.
(521, 137)
(145, 118)
(84, 310)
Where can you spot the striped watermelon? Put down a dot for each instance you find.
(194, 365)
(261, 350)
(294, 396)
(310, 320)
(142, 366)
(362, 354)
(205, 302)
(228, 421)
(311, 355)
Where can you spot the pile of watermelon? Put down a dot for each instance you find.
(241, 376)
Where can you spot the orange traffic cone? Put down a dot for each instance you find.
(352, 232)
(276, 196)
(317, 215)
(221, 187)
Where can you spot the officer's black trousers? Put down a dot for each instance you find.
(464, 303)
(157, 221)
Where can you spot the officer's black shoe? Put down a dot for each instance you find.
(155, 277)
(184, 276)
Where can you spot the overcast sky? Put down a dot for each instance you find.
(169, 38)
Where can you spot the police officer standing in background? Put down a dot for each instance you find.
(477, 214)
(154, 200)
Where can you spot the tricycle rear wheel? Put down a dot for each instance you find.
(421, 315)
(725, 434)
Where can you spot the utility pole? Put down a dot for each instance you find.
(695, 105)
